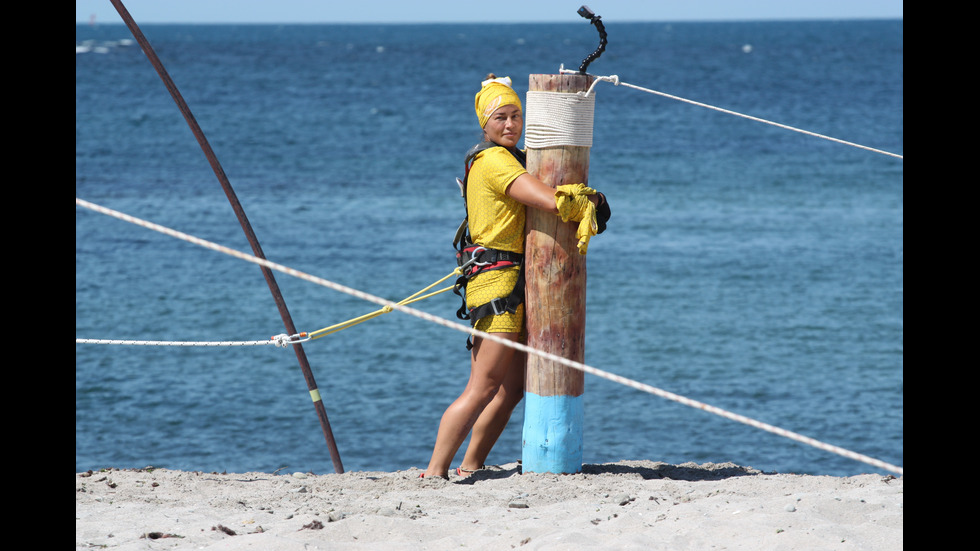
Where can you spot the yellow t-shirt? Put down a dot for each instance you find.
(496, 220)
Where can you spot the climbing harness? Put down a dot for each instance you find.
(473, 258)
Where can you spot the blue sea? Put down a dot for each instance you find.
(747, 266)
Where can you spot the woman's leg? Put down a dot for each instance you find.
(494, 419)
(491, 362)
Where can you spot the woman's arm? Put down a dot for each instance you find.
(534, 193)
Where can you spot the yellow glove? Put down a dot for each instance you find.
(573, 205)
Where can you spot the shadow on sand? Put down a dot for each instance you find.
(647, 470)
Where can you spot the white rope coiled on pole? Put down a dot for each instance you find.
(557, 119)
(521, 347)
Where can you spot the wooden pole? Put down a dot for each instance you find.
(555, 307)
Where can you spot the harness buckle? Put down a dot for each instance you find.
(464, 266)
(476, 252)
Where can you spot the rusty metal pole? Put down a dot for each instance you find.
(555, 306)
(246, 226)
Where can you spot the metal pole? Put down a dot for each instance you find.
(246, 226)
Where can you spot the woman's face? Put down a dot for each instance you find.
(505, 126)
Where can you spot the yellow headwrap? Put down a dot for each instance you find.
(494, 94)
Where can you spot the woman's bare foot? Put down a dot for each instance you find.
(461, 472)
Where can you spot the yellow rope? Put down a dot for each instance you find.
(385, 309)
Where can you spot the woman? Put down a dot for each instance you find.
(498, 190)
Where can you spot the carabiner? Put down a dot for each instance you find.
(476, 252)
(473, 261)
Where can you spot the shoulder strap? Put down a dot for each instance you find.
(462, 237)
(482, 146)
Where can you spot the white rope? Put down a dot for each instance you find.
(522, 347)
(282, 341)
(557, 119)
(615, 80)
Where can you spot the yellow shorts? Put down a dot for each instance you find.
(490, 285)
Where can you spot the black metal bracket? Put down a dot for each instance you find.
(585, 12)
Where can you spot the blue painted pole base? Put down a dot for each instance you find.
(552, 440)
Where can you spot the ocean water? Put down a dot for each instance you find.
(754, 268)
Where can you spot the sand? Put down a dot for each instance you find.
(626, 505)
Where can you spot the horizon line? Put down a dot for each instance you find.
(758, 20)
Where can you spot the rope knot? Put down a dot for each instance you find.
(386, 309)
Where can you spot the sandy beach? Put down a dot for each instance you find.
(625, 505)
